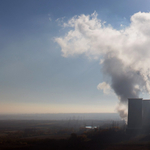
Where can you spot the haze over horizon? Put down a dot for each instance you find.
(83, 56)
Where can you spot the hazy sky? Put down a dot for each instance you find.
(52, 54)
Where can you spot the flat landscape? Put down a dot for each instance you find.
(69, 134)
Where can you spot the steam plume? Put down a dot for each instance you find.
(124, 53)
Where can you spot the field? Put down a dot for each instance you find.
(69, 134)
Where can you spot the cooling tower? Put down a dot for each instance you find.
(134, 114)
(146, 114)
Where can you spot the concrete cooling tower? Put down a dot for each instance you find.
(138, 115)
(146, 114)
(135, 114)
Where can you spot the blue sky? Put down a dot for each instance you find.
(34, 75)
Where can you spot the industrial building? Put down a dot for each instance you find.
(138, 115)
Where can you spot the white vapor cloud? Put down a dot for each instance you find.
(105, 87)
(124, 53)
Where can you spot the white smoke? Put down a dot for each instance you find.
(105, 87)
(125, 53)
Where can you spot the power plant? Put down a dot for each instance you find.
(138, 115)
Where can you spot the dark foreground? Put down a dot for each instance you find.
(68, 135)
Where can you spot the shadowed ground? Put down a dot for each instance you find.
(62, 135)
